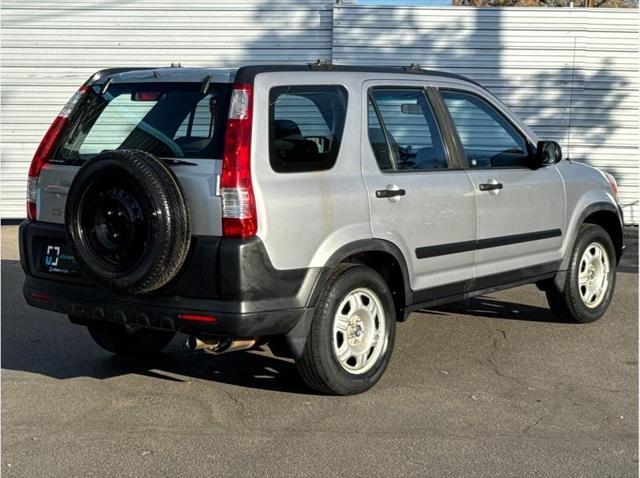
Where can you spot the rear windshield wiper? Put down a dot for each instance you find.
(177, 162)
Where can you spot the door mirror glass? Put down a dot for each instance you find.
(548, 152)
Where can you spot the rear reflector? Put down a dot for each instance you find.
(39, 295)
(198, 318)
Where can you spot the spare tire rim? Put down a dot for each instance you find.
(113, 223)
(593, 275)
(359, 331)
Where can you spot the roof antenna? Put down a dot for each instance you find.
(573, 71)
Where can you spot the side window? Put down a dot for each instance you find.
(305, 127)
(376, 137)
(487, 137)
(411, 130)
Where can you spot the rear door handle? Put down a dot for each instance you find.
(390, 193)
(491, 186)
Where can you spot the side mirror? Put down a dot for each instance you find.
(547, 152)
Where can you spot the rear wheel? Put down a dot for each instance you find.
(352, 334)
(590, 280)
(131, 341)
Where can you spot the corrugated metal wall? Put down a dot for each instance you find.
(50, 47)
(555, 67)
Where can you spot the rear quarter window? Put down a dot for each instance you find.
(306, 124)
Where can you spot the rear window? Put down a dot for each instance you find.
(169, 120)
(305, 127)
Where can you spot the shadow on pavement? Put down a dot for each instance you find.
(495, 309)
(46, 343)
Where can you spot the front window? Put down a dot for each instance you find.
(488, 139)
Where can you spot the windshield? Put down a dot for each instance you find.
(169, 120)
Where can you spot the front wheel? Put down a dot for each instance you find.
(352, 333)
(591, 278)
(128, 340)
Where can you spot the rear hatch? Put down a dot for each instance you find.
(181, 123)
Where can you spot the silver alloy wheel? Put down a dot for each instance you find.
(359, 331)
(593, 275)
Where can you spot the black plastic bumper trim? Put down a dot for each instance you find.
(482, 285)
(158, 312)
(236, 273)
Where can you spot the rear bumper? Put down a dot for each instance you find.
(90, 303)
(231, 280)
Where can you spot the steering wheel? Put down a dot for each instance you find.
(162, 138)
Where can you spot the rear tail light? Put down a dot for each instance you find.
(43, 152)
(238, 200)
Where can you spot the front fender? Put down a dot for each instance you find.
(589, 203)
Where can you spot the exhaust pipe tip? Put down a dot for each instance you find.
(219, 346)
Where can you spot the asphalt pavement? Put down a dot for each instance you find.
(494, 387)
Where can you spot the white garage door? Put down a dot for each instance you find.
(50, 47)
(571, 74)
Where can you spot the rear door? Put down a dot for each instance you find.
(176, 122)
(520, 210)
(420, 199)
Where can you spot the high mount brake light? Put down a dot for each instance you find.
(45, 148)
(238, 200)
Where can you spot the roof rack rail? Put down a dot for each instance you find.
(322, 64)
(414, 67)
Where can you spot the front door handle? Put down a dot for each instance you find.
(390, 193)
(492, 185)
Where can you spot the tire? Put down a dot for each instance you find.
(320, 366)
(122, 340)
(127, 221)
(579, 302)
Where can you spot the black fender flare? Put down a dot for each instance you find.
(560, 278)
(297, 337)
(356, 247)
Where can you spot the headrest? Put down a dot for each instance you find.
(286, 128)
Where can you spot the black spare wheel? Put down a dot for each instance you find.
(127, 221)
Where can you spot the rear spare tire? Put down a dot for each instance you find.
(127, 221)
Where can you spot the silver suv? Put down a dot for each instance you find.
(309, 208)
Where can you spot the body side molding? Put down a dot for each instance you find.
(466, 246)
